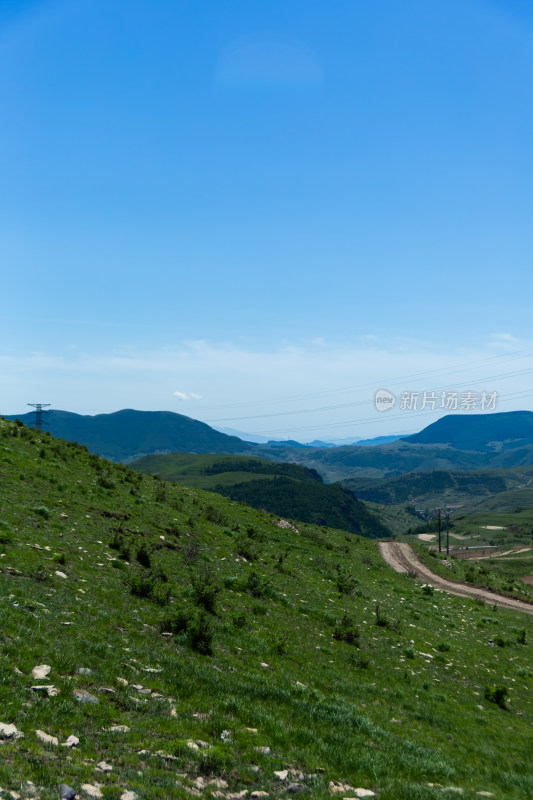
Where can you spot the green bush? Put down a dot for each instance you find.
(42, 511)
(143, 557)
(346, 631)
(497, 695)
(196, 626)
(205, 590)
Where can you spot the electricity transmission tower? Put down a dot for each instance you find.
(39, 411)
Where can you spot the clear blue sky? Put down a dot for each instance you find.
(250, 201)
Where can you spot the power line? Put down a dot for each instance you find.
(501, 375)
(462, 366)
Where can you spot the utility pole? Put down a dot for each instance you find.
(39, 411)
(447, 533)
(438, 518)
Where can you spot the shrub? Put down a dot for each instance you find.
(42, 511)
(205, 590)
(521, 636)
(409, 652)
(381, 618)
(360, 660)
(119, 543)
(346, 631)
(497, 695)
(143, 557)
(346, 583)
(443, 647)
(196, 626)
(142, 585)
(105, 482)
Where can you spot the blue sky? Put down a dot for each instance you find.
(237, 210)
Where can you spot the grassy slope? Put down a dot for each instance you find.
(404, 709)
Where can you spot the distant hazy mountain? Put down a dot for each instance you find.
(127, 435)
(481, 432)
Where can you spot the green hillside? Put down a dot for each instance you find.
(196, 646)
(287, 489)
(439, 487)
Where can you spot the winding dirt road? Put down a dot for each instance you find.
(401, 557)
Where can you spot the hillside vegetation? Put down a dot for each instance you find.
(198, 647)
(439, 487)
(287, 489)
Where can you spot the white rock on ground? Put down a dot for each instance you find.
(47, 738)
(72, 741)
(103, 766)
(8, 731)
(92, 791)
(127, 795)
(364, 793)
(41, 671)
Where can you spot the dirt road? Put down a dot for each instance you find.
(401, 557)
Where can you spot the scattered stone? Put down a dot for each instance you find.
(166, 756)
(8, 731)
(151, 669)
(66, 792)
(82, 696)
(103, 766)
(282, 774)
(72, 741)
(257, 795)
(226, 736)
(41, 671)
(192, 745)
(364, 793)
(48, 689)
(264, 750)
(92, 791)
(128, 795)
(46, 738)
(485, 794)
(84, 671)
(237, 795)
(117, 729)
(218, 783)
(106, 690)
(284, 524)
(297, 788)
(251, 730)
(336, 787)
(263, 664)
(123, 681)
(60, 574)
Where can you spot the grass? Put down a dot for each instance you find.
(314, 648)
